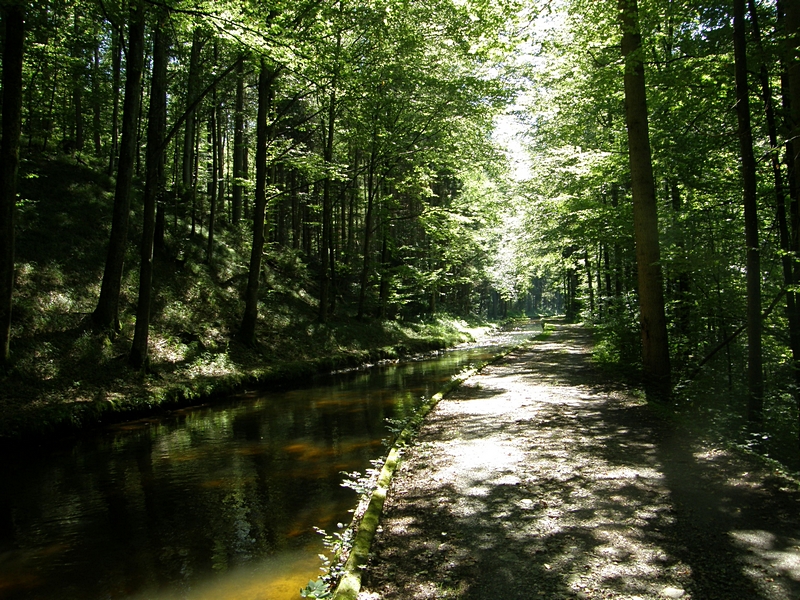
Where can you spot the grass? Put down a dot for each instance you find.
(65, 375)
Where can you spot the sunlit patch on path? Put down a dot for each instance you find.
(539, 480)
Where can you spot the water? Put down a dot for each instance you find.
(209, 503)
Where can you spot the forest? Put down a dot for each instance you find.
(197, 194)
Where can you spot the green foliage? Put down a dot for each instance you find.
(316, 589)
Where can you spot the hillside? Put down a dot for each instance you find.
(66, 373)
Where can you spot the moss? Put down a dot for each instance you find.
(349, 584)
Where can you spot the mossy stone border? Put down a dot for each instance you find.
(350, 582)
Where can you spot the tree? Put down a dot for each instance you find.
(655, 346)
(755, 382)
(154, 167)
(106, 315)
(247, 330)
(13, 53)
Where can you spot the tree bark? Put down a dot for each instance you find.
(106, 315)
(362, 295)
(655, 346)
(755, 380)
(212, 216)
(780, 204)
(239, 173)
(13, 52)
(792, 26)
(116, 66)
(77, 83)
(156, 126)
(187, 179)
(96, 102)
(247, 331)
(327, 217)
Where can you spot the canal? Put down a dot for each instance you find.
(216, 502)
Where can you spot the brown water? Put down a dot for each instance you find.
(209, 503)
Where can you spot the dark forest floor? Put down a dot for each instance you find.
(539, 479)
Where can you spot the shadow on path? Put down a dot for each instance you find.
(539, 480)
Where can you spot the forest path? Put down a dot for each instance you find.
(537, 479)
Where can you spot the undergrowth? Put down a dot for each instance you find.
(713, 405)
(64, 374)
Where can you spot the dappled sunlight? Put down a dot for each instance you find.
(770, 552)
(558, 490)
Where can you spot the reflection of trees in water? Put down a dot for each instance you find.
(159, 503)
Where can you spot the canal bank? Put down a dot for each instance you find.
(207, 502)
(345, 576)
(42, 409)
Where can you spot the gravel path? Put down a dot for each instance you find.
(538, 480)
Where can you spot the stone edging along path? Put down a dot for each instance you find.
(349, 584)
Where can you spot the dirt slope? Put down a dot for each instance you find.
(537, 480)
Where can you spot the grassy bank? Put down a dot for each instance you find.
(65, 375)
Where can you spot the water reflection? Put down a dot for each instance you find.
(215, 502)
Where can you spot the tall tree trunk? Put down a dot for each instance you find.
(247, 331)
(13, 52)
(353, 199)
(106, 315)
(156, 127)
(792, 27)
(219, 117)
(755, 380)
(655, 346)
(187, 179)
(116, 67)
(212, 218)
(682, 302)
(362, 295)
(383, 289)
(327, 216)
(77, 84)
(239, 173)
(617, 254)
(589, 281)
(780, 204)
(96, 102)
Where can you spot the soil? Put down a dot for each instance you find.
(539, 479)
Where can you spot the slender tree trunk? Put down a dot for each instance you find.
(792, 27)
(156, 127)
(383, 293)
(96, 102)
(755, 381)
(780, 204)
(213, 184)
(617, 253)
(13, 52)
(189, 141)
(655, 346)
(239, 173)
(683, 304)
(247, 331)
(362, 295)
(219, 117)
(77, 85)
(351, 210)
(106, 315)
(327, 217)
(50, 108)
(589, 282)
(116, 67)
